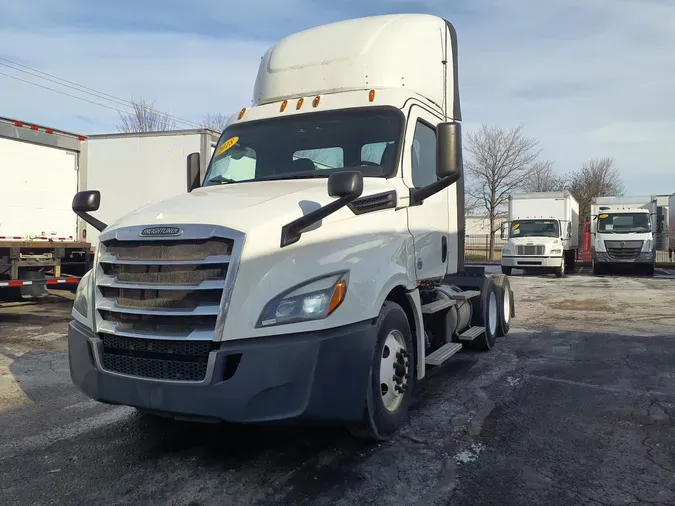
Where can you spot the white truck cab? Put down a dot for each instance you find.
(623, 231)
(542, 232)
(318, 271)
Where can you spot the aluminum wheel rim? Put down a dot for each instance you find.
(507, 305)
(492, 313)
(393, 344)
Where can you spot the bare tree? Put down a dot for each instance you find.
(500, 162)
(216, 121)
(596, 178)
(145, 118)
(542, 178)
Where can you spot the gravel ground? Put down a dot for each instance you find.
(574, 406)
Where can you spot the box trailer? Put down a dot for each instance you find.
(136, 169)
(39, 240)
(624, 231)
(671, 228)
(542, 232)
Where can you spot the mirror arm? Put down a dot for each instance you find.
(290, 233)
(97, 224)
(417, 195)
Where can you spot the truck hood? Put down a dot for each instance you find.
(245, 206)
(533, 240)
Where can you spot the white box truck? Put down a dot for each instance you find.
(39, 170)
(623, 231)
(542, 232)
(136, 169)
(318, 270)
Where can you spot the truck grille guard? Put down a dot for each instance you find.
(160, 301)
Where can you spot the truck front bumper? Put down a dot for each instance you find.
(532, 262)
(646, 257)
(321, 376)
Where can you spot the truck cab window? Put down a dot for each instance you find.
(308, 146)
(423, 156)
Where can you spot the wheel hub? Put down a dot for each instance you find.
(394, 370)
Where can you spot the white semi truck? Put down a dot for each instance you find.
(40, 170)
(542, 231)
(318, 270)
(623, 231)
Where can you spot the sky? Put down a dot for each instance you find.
(587, 78)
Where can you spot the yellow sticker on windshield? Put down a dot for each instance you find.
(515, 226)
(227, 145)
(603, 216)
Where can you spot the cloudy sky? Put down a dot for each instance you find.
(587, 78)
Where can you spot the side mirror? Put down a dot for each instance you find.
(86, 201)
(345, 184)
(659, 227)
(448, 150)
(504, 231)
(193, 170)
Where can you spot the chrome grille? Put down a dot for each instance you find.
(623, 250)
(158, 300)
(530, 250)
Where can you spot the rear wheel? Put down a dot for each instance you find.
(392, 377)
(504, 303)
(486, 314)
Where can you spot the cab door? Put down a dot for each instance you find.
(428, 221)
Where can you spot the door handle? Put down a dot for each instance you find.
(444, 249)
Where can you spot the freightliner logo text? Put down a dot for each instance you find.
(155, 231)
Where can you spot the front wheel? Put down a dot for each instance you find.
(507, 270)
(392, 377)
(560, 271)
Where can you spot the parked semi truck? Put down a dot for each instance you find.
(542, 232)
(318, 270)
(139, 168)
(624, 232)
(39, 241)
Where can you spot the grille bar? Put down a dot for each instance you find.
(530, 250)
(107, 327)
(209, 284)
(201, 310)
(214, 259)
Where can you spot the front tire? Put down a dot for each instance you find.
(392, 377)
(507, 270)
(560, 271)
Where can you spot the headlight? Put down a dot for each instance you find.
(556, 251)
(506, 251)
(81, 303)
(314, 300)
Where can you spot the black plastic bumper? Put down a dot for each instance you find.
(321, 376)
(645, 257)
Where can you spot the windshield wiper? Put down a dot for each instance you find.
(221, 179)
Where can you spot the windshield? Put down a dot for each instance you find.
(534, 228)
(622, 223)
(308, 145)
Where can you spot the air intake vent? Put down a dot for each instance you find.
(377, 202)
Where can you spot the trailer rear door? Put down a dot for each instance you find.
(37, 185)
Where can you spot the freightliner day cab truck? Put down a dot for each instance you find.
(623, 231)
(318, 271)
(542, 232)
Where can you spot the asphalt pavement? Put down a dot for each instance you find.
(574, 406)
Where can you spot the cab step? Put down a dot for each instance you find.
(442, 354)
(467, 294)
(471, 334)
(437, 305)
